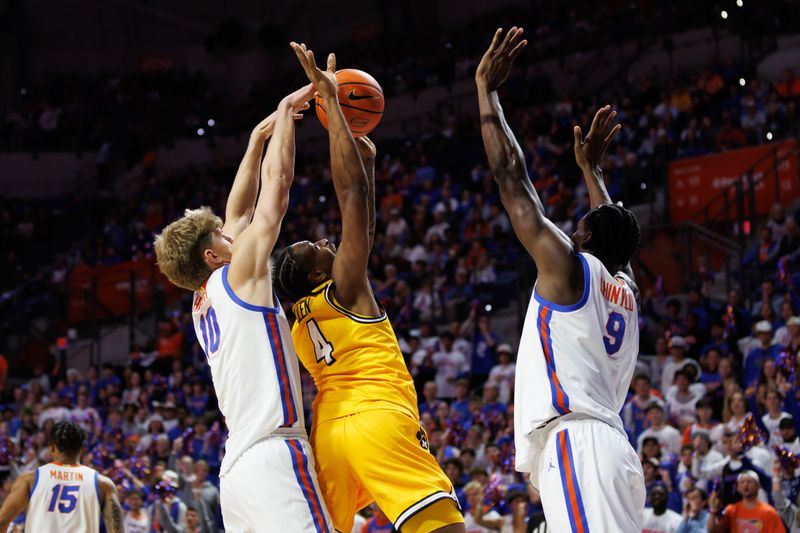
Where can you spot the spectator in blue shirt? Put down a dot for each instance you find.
(695, 515)
(491, 405)
(461, 402)
(430, 403)
(484, 343)
(765, 350)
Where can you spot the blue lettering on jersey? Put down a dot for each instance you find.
(67, 501)
(616, 331)
(209, 327)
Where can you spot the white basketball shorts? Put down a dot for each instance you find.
(590, 479)
(272, 488)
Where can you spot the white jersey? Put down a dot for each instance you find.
(575, 359)
(64, 498)
(253, 365)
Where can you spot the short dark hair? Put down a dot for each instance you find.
(290, 275)
(703, 402)
(703, 494)
(615, 234)
(67, 437)
(649, 440)
(786, 423)
(455, 462)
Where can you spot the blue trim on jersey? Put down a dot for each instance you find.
(584, 297)
(97, 488)
(311, 495)
(282, 372)
(35, 482)
(543, 326)
(578, 495)
(241, 303)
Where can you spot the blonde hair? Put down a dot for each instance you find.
(179, 247)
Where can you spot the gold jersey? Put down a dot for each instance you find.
(355, 360)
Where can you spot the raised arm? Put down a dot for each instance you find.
(249, 269)
(112, 510)
(560, 277)
(368, 152)
(16, 501)
(242, 198)
(589, 153)
(352, 191)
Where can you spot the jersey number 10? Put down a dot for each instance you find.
(210, 329)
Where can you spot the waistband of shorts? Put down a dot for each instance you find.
(280, 433)
(572, 418)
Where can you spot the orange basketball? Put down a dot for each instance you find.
(361, 99)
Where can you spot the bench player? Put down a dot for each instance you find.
(64, 495)
(367, 438)
(267, 475)
(581, 335)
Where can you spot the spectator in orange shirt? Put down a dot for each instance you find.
(730, 135)
(789, 86)
(747, 516)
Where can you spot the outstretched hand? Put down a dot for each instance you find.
(324, 80)
(298, 100)
(589, 151)
(496, 63)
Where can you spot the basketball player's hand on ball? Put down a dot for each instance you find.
(589, 151)
(324, 80)
(496, 63)
(366, 148)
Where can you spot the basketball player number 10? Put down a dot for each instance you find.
(209, 327)
(67, 501)
(615, 327)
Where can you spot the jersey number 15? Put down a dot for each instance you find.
(66, 501)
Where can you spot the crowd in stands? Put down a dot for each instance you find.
(444, 261)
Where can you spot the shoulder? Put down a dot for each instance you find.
(27, 479)
(106, 486)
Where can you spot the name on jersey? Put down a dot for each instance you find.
(617, 294)
(302, 309)
(66, 476)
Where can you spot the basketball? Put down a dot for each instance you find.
(361, 98)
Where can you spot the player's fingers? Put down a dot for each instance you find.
(312, 63)
(506, 40)
(609, 120)
(496, 40)
(598, 118)
(578, 135)
(611, 135)
(331, 62)
(517, 49)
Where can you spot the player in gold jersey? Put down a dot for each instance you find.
(367, 439)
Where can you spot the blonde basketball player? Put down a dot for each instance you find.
(581, 335)
(366, 433)
(267, 480)
(64, 495)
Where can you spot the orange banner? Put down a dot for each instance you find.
(113, 285)
(695, 181)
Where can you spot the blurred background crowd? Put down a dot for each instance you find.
(716, 389)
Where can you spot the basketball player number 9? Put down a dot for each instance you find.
(615, 327)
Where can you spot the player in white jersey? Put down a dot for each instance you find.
(581, 335)
(64, 495)
(267, 476)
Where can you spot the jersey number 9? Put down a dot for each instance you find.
(615, 327)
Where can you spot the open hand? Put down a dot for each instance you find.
(298, 100)
(324, 81)
(589, 151)
(496, 63)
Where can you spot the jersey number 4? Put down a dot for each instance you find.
(66, 501)
(322, 348)
(615, 327)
